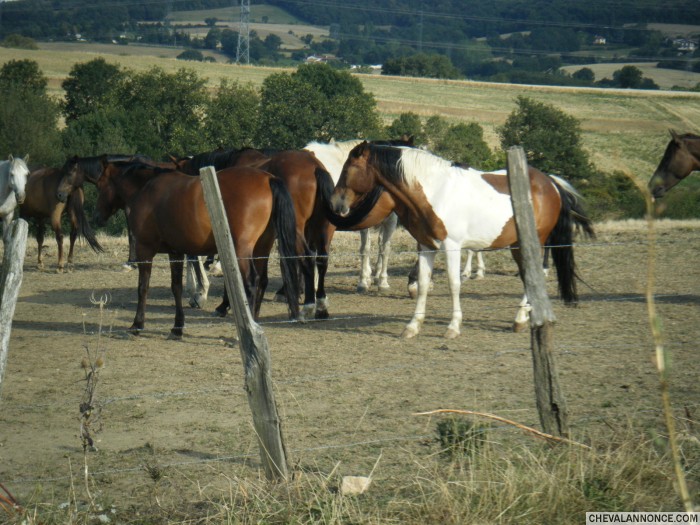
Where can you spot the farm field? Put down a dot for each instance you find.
(621, 129)
(176, 437)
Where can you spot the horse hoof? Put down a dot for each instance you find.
(280, 298)
(218, 313)
(322, 314)
(409, 332)
(384, 288)
(519, 327)
(362, 288)
(308, 311)
(175, 334)
(197, 301)
(479, 276)
(135, 330)
(451, 333)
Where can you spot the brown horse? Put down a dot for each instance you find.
(681, 158)
(306, 179)
(168, 215)
(447, 207)
(50, 192)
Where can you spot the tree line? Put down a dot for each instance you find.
(108, 109)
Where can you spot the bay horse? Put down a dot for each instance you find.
(168, 215)
(50, 193)
(306, 179)
(13, 182)
(681, 158)
(447, 207)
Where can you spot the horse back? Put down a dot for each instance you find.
(41, 188)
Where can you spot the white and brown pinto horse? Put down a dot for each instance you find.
(449, 208)
(681, 158)
(13, 181)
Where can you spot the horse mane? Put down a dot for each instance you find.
(406, 165)
(222, 158)
(130, 167)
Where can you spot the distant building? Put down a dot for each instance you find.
(599, 40)
(685, 44)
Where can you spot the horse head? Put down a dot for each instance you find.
(357, 179)
(19, 172)
(678, 161)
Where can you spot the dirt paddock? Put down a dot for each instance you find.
(347, 388)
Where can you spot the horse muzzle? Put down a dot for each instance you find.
(339, 205)
(20, 197)
(62, 197)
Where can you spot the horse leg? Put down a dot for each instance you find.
(365, 266)
(452, 259)
(522, 318)
(307, 265)
(480, 266)
(426, 259)
(261, 265)
(145, 267)
(197, 282)
(40, 231)
(467, 272)
(58, 232)
(71, 245)
(176, 264)
(323, 243)
(386, 231)
(545, 261)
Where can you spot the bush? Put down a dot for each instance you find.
(612, 196)
(681, 202)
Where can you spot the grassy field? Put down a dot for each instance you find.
(622, 129)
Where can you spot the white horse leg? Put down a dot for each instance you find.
(365, 266)
(426, 260)
(467, 272)
(453, 257)
(522, 319)
(480, 266)
(199, 291)
(387, 229)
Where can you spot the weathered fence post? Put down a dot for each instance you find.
(253, 343)
(10, 282)
(551, 404)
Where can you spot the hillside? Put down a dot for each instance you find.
(622, 129)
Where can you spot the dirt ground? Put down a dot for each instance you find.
(347, 388)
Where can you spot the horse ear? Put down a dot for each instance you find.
(674, 135)
(26, 158)
(173, 158)
(10, 157)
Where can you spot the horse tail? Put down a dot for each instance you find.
(75, 203)
(324, 187)
(285, 226)
(572, 219)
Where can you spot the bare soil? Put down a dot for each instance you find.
(347, 388)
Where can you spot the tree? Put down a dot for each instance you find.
(163, 112)
(628, 77)
(89, 86)
(191, 54)
(23, 75)
(464, 143)
(232, 116)
(100, 131)
(407, 124)
(551, 138)
(585, 74)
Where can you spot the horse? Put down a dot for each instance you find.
(13, 181)
(305, 178)
(50, 192)
(681, 158)
(447, 207)
(333, 155)
(168, 215)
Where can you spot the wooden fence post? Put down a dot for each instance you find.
(10, 282)
(253, 343)
(551, 404)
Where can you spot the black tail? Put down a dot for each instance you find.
(572, 219)
(285, 225)
(75, 203)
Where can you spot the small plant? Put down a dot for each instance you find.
(460, 437)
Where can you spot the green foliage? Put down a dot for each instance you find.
(232, 116)
(19, 42)
(191, 54)
(163, 111)
(23, 75)
(612, 196)
(585, 74)
(316, 102)
(464, 143)
(551, 139)
(102, 131)
(29, 125)
(407, 124)
(89, 87)
(421, 65)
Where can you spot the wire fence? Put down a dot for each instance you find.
(298, 389)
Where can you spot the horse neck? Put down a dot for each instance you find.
(693, 145)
